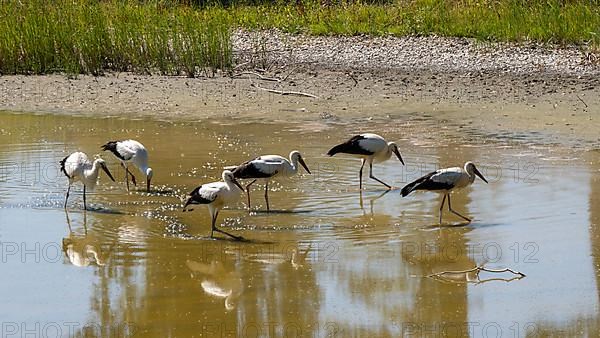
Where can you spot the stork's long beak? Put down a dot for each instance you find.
(188, 201)
(147, 185)
(398, 155)
(238, 185)
(301, 161)
(479, 174)
(107, 172)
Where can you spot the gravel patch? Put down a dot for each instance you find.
(432, 53)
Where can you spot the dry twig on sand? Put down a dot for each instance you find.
(281, 92)
(260, 77)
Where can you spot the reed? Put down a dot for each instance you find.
(83, 36)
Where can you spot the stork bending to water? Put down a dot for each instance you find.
(371, 148)
(131, 151)
(216, 195)
(77, 167)
(444, 181)
(267, 167)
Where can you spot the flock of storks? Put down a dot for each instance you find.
(370, 148)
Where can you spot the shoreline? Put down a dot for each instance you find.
(561, 99)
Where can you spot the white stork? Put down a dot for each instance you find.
(371, 148)
(77, 167)
(131, 151)
(267, 167)
(216, 195)
(444, 181)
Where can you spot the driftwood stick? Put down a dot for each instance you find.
(281, 92)
(241, 65)
(260, 77)
(580, 99)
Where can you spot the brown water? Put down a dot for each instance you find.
(326, 262)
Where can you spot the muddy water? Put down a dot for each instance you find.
(328, 261)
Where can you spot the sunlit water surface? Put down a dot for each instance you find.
(327, 261)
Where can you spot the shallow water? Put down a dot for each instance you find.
(327, 261)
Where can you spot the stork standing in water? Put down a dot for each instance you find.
(216, 195)
(444, 181)
(77, 167)
(131, 151)
(267, 167)
(371, 148)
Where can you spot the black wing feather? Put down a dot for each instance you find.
(196, 198)
(112, 147)
(350, 147)
(62, 166)
(248, 170)
(425, 183)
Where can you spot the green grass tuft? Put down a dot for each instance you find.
(81, 36)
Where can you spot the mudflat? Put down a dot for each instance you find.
(492, 87)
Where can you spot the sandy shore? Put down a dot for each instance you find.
(494, 88)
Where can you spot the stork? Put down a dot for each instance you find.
(131, 151)
(77, 167)
(267, 167)
(371, 148)
(216, 195)
(444, 181)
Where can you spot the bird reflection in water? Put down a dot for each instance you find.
(371, 201)
(287, 255)
(218, 281)
(83, 250)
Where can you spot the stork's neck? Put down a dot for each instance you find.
(92, 171)
(294, 164)
(230, 184)
(470, 173)
(144, 169)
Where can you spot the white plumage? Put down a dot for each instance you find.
(131, 152)
(268, 167)
(445, 181)
(217, 195)
(77, 167)
(371, 148)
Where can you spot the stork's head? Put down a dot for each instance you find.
(394, 148)
(100, 162)
(296, 158)
(149, 174)
(228, 177)
(471, 169)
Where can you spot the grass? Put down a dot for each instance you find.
(79, 36)
(189, 37)
(553, 21)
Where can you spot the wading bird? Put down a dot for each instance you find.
(371, 148)
(216, 195)
(131, 151)
(77, 167)
(267, 167)
(444, 181)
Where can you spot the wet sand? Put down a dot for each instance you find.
(494, 88)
